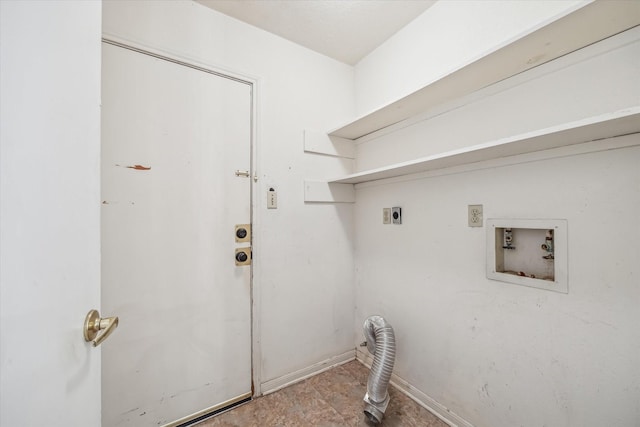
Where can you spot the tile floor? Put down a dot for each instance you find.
(332, 398)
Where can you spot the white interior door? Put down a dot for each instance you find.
(172, 139)
(49, 212)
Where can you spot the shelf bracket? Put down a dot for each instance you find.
(321, 143)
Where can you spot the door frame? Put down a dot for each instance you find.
(252, 82)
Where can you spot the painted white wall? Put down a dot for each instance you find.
(303, 275)
(50, 211)
(498, 354)
(446, 36)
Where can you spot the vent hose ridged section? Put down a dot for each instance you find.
(381, 342)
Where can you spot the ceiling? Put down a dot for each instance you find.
(346, 30)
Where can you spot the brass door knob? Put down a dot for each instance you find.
(93, 324)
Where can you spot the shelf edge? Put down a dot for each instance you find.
(609, 125)
(465, 79)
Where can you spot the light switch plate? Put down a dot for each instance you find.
(272, 198)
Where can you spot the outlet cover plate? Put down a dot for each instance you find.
(386, 215)
(475, 215)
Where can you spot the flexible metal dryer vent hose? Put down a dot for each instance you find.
(381, 342)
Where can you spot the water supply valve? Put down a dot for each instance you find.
(548, 245)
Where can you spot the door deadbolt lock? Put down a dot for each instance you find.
(243, 233)
(243, 256)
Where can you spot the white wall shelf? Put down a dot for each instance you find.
(604, 126)
(587, 25)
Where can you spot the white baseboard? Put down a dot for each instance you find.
(418, 396)
(302, 374)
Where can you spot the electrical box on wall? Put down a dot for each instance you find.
(396, 215)
(528, 252)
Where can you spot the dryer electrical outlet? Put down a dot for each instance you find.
(396, 215)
